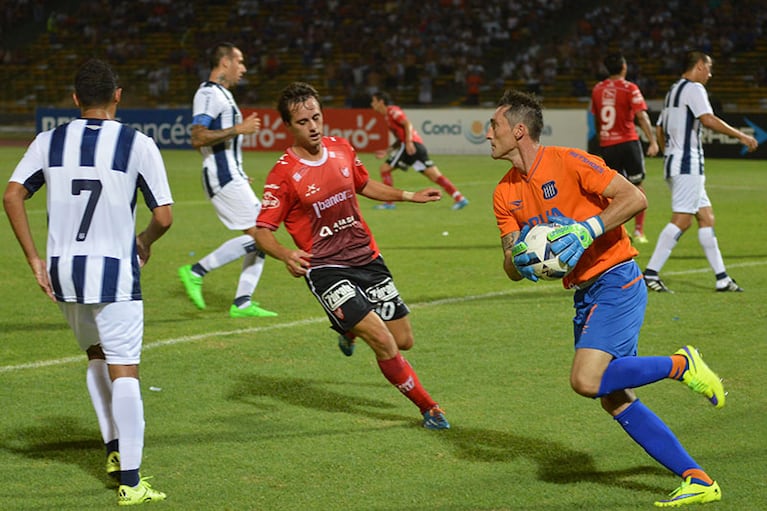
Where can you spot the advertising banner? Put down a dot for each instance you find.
(169, 128)
(445, 131)
(462, 131)
(365, 129)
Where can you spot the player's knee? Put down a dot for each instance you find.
(584, 386)
(406, 342)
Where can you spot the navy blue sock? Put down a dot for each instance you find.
(112, 446)
(656, 438)
(199, 269)
(633, 372)
(129, 477)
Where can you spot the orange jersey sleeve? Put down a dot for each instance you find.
(563, 182)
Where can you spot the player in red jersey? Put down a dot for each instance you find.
(313, 190)
(409, 151)
(592, 201)
(615, 103)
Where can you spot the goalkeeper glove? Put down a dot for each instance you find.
(573, 238)
(522, 260)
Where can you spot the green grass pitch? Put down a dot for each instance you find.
(266, 414)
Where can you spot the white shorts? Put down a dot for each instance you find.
(118, 327)
(688, 193)
(236, 205)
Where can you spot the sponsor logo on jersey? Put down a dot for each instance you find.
(270, 201)
(331, 201)
(340, 293)
(594, 165)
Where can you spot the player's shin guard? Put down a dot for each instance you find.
(100, 389)
(401, 374)
(387, 178)
(649, 431)
(448, 186)
(128, 411)
(633, 372)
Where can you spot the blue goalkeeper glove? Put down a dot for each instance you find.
(522, 260)
(573, 238)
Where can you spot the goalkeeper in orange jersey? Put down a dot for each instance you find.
(592, 202)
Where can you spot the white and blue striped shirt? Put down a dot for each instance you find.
(214, 108)
(685, 103)
(93, 170)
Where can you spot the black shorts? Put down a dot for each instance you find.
(348, 294)
(627, 158)
(419, 160)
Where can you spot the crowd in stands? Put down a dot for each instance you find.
(442, 52)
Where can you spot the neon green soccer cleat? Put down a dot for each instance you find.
(141, 494)
(691, 493)
(113, 465)
(192, 285)
(254, 311)
(700, 378)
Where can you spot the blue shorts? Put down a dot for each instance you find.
(610, 312)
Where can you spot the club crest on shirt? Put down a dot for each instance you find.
(549, 190)
(345, 171)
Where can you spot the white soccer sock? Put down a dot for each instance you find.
(100, 388)
(707, 240)
(128, 411)
(252, 267)
(667, 240)
(229, 251)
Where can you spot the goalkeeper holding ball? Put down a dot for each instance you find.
(591, 201)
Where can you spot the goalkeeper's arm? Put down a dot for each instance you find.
(571, 241)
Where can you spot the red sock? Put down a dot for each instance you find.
(387, 179)
(639, 222)
(449, 188)
(639, 218)
(400, 374)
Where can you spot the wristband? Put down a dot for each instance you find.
(407, 196)
(595, 225)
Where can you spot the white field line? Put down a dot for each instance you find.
(309, 321)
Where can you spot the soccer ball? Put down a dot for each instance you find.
(548, 266)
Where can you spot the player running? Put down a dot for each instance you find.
(313, 190)
(592, 201)
(409, 151)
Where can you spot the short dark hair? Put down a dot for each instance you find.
(524, 108)
(614, 63)
(219, 51)
(95, 83)
(383, 96)
(293, 94)
(692, 58)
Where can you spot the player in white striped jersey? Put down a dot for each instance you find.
(93, 168)
(217, 130)
(686, 110)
